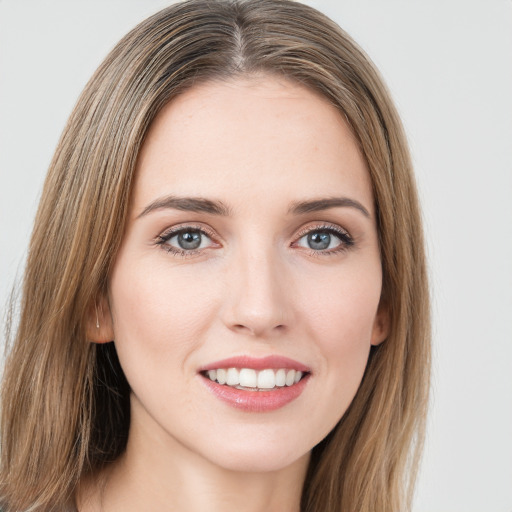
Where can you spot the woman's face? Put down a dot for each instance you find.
(251, 253)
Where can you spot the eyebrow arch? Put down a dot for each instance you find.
(317, 205)
(188, 204)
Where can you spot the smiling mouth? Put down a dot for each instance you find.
(248, 379)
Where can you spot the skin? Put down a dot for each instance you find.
(255, 287)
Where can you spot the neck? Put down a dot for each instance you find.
(158, 473)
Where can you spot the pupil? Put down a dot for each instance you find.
(189, 240)
(319, 240)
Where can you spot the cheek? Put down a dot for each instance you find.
(342, 308)
(341, 320)
(159, 321)
(157, 314)
(344, 341)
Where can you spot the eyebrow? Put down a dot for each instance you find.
(213, 207)
(188, 204)
(317, 205)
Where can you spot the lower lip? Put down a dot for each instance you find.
(256, 401)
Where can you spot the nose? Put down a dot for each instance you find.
(258, 298)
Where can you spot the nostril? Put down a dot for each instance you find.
(257, 330)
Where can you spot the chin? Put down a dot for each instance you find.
(254, 453)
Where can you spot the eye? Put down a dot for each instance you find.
(325, 239)
(185, 240)
(188, 240)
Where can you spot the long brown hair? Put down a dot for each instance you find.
(65, 401)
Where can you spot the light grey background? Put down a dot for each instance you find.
(449, 67)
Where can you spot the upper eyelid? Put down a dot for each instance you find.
(322, 225)
(173, 230)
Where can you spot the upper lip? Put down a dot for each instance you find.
(257, 363)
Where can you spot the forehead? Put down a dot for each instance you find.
(250, 135)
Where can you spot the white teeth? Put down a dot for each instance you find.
(232, 378)
(247, 378)
(290, 377)
(266, 379)
(280, 378)
(221, 376)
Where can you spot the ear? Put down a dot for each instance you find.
(99, 325)
(381, 325)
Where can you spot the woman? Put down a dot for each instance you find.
(225, 302)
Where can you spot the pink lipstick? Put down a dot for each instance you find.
(256, 384)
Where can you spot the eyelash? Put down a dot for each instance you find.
(163, 238)
(346, 241)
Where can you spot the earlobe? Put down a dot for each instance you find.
(381, 325)
(99, 325)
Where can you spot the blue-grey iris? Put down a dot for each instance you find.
(189, 239)
(319, 240)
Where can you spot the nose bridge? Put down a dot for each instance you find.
(258, 304)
